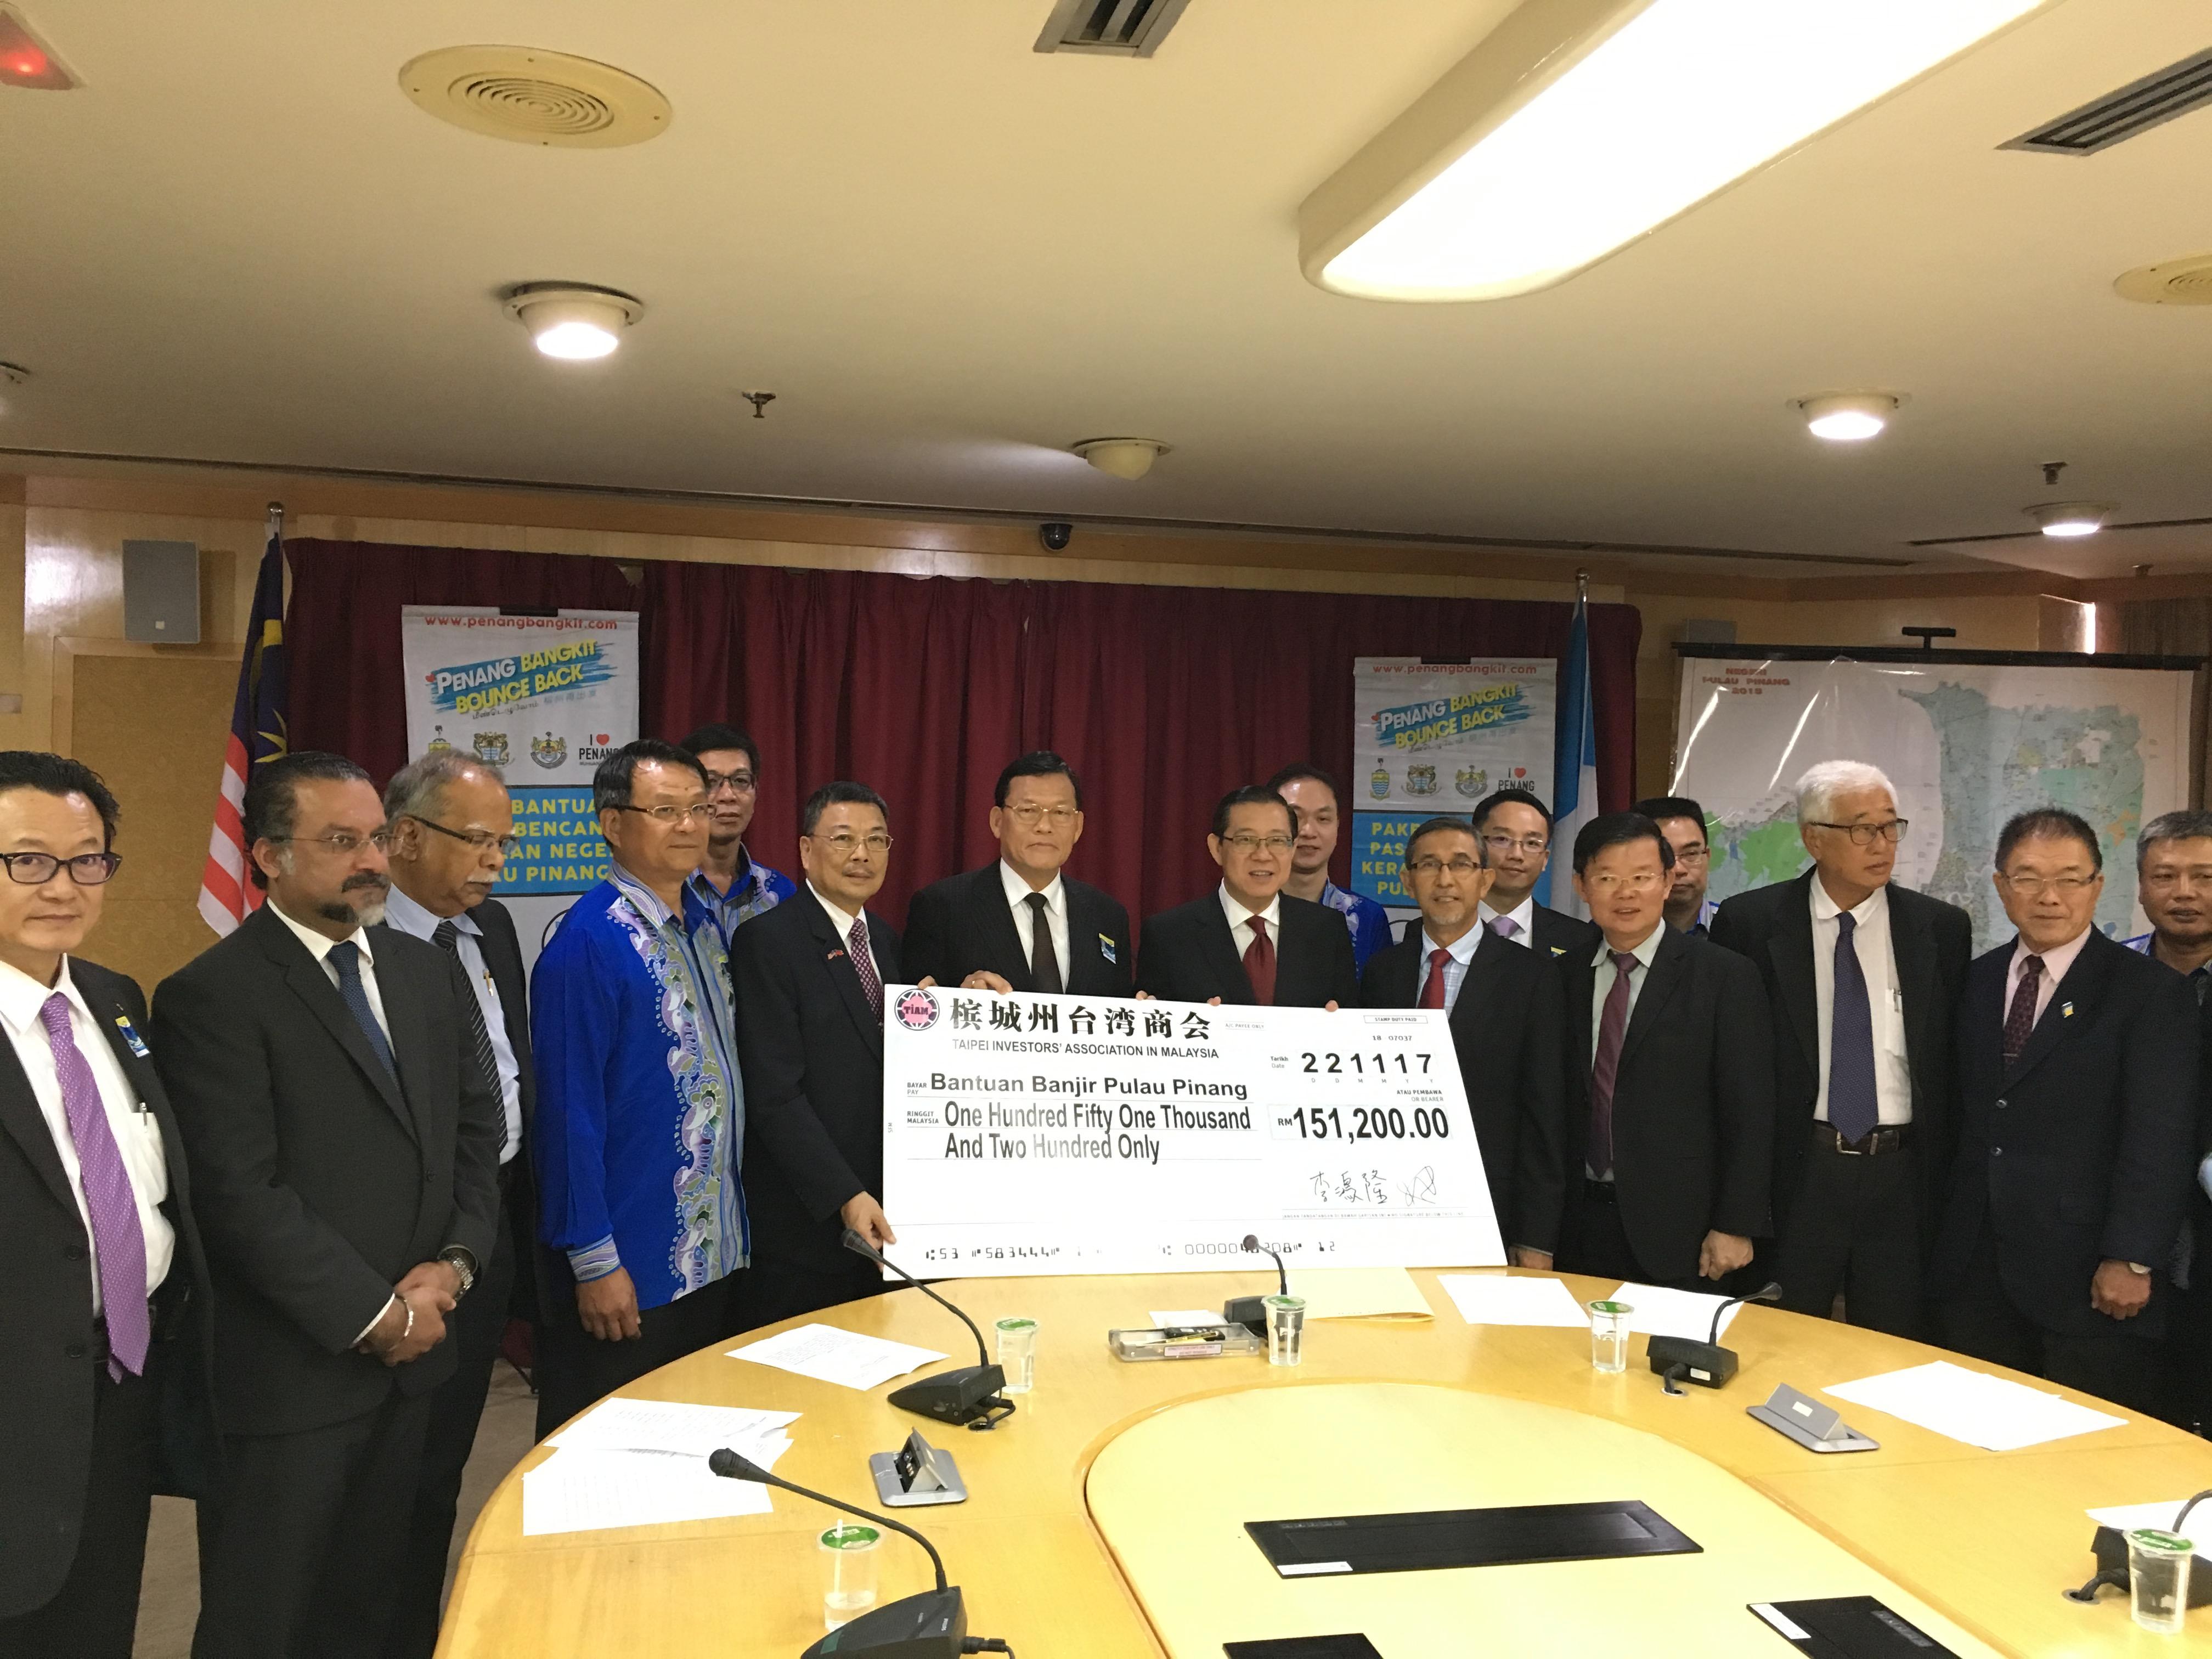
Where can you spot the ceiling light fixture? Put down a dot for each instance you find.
(1848, 417)
(28, 62)
(571, 320)
(1121, 458)
(2071, 518)
(1578, 125)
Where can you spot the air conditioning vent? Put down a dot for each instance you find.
(2136, 107)
(1121, 28)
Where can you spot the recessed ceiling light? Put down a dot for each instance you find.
(572, 321)
(1121, 458)
(1578, 125)
(1848, 417)
(2071, 518)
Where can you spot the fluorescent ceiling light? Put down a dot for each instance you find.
(574, 323)
(1578, 125)
(2071, 518)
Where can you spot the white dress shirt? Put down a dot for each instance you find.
(2055, 964)
(1240, 922)
(318, 946)
(1055, 913)
(137, 1134)
(1523, 917)
(402, 913)
(1870, 940)
(841, 918)
(1458, 956)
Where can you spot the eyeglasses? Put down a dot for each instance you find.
(1461, 865)
(842, 843)
(2030, 887)
(1249, 845)
(36, 869)
(1532, 845)
(1030, 816)
(672, 815)
(741, 783)
(1612, 884)
(1865, 834)
(482, 840)
(344, 843)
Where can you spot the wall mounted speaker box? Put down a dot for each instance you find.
(162, 593)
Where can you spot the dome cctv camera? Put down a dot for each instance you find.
(1055, 536)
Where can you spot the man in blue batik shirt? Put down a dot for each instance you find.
(727, 882)
(1314, 798)
(641, 1111)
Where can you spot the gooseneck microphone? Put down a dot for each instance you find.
(1678, 1358)
(1771, 1292)
(970, 1395)
(1251, 1311)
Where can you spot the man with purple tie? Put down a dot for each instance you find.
(1515, 828)
(105, 1271)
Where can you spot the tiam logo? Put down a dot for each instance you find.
(916, 1009)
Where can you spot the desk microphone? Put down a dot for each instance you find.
(1678, 1358)
(970, 1395)
(2110, 1547)
(1251, 1311)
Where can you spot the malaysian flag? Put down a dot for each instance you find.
(227, 895)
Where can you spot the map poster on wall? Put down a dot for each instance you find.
(543, 698)
(1967, 743)
(1429, 739)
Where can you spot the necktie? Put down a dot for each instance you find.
(1504, 926)
(447, 938)
(1432, 988)
(1853, 1113)
(2200, 981)
(1605, 1069)
(1044, 966)
(346, 958)
(864, 964)
(2019, 1020)
(117, 1239)
(1259, 963)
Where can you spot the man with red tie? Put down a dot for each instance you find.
(1249, 941)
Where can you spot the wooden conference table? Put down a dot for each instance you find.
(1105, 1518)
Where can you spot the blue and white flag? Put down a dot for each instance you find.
(1574, 769)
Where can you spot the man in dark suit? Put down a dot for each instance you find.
(344, 1149)
(1682, 821)
(1507, 1012)
(1019, 924)
(1863, 980)
(1669, 1080)
(1515, 828)
(1249, 941)
(106, 1296)
(2078, 1093)
(810, 977)
(452, 825)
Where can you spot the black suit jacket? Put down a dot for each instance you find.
(963, 923)
(1931, 942)
(1189, 956)
(812, 1054)
(1692, 1105)
(320, 1181)
(1507, 1027)
(2082, 1150)
(1558, 935)
(502, 955)
(45, 1309)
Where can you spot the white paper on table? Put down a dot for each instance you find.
(584, 1489)
(1483, 1299)
(830, 1355)
(1185, 1316)
(1661, 1312)
(2160, 1518)
(1973, 1407)
(619, 1424)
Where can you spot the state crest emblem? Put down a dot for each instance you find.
(549, 751)
(491, 748)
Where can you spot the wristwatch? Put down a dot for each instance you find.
(2138, 1268)
(462, 1261)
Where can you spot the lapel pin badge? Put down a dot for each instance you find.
(2066, 1011)
(130, 1035)
(1106, 948)
(833, 955)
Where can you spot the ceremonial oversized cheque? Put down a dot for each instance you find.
(1028, 1134)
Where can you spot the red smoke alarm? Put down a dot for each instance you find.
(27, 61)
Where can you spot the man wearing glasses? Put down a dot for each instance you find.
(811, 977)
(727, 881)
(2078, 1088)
(1249, 941)
(1515, 828)
(1018, 924)
(451, 828)
(641, 1112)
(345, 1142)
(1682, 821)
(1863, 979)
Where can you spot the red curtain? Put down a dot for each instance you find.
(1162, 698)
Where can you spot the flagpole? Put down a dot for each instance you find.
(276, 521)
